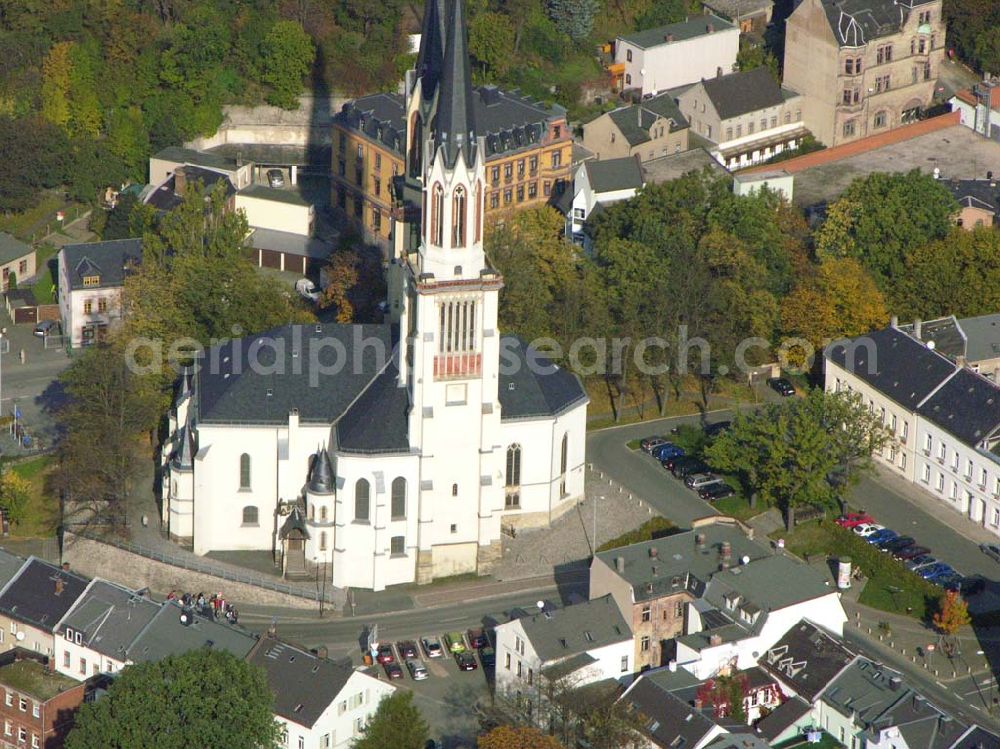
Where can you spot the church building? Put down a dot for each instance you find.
(394, 453)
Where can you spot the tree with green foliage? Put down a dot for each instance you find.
(883, 218)
(397, 723)
(754, 55)
(208, 694)
(288, 55)
(800, 453)
(574, 18)
(491, 43)
(34, 155)
(15, 493)
(56, 73)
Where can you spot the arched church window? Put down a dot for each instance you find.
(477, 228)
(362, 496)
(565, 454)
(437, 215)
(322, 514)
(418, 139)
(322, 541)
(250, 516)
(458, 217)
(398, 498)
(245, 471)
(513, 466)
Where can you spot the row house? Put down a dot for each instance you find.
(39, 705)
(646, 130)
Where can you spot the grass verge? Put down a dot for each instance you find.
(655, 527)
(41, 514)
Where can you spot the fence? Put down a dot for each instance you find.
(199, 567)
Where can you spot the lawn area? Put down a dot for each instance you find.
(44, 289)
(887, 593)
(655, 527)
(42, 512)
(737, 505)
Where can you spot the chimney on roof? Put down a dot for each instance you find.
(653, 552)
(699, 540)
(321, 651)
(239, 158)
(714, 640)
(65, 566)
(697, 703)
(620, 564)
(180, 181)
(725, 555)
(895, 683)
(718, 72)
(918, 329)
(59, 586)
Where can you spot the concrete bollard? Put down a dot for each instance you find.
(935, 672)
(869, 630)
(968, 669)
(902, 651)
(913, 659)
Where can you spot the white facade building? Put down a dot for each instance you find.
(678, 54)
(275, 209)
(91, 277)
(390, 453)
(600, 183)
(577, 645)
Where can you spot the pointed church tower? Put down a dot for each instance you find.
(449, 317)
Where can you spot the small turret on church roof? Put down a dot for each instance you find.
(184, 458)
(321, 481)
(455, 123)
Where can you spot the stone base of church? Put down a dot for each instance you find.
(186, 541)
(488, 557)
(425, 567)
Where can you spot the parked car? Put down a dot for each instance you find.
(455, 642)
(684, 467)
(275, 178)
(886, 534)
(44, 328)
(418, 671)
(781, 386)
(866, 529)
(668, 463)
(407, 650)
(924, 560)
(648, 443)
(666, 450)
(477, 639)
(911, 552)
(384, 654)
(697, 480)
(713, 492)
(432, 647)
(714, 430)
(935, 570)
(991, 550)
(307, 290)
(896, 544)
(466, 661)
(951, 581)
(853, 519)
(972, 585)
(393, 670)
(488, 657)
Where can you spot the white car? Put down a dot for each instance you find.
(866, 529)
(418, 672)
(307, 290)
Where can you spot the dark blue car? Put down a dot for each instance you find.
(668, 450)
(884, 535)
(935, 570)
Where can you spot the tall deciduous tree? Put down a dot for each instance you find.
(519, 737)
(288, 55)
(952, 614)
(397, 723)
(208, 694)
(15, 491)
(491, 42)
(56, 74)
(575, 18)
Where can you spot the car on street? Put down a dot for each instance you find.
(991, 550)
(466, 661)
(488, 657)
(648, 443)
(44, 328)
(935, 570)
(385, 654)
(854, 519)
(911, 552)
(697, 480)
(866, 529)
(666, 450)
(886, 535)
(455, 642)
(916, 563)
(685, 466)
(407, 649)
(713, 492)
(714, 430)
(477, 639)
(432, 647)
(896, 544)
(781, 386)
(950, 581)
(418, 671)
(275, 178)
(393, 670)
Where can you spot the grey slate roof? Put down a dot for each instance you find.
(290, 243)
(165, 635)
(669, 721)
(635, 120)
(321, 479)
(41, 593)
(9, 565)
(110, 260)
(109, 617)
(900, 367)
(982, 335)
(755, 584)
(947, 334)
(608, 175)
(967, 406)
(263, 192)
(740, 93)
(165, 198)
(303, 684)
(775, 723)
(978, 738)
(856, 22)
(197, 158)
(564, 668)
(806, 659)
(679, 563)
(533, 390)
(12, 248)
(692, 28)
(575, 629)
(977, 193)
(454, 127)
(738, 741)
(378, 421)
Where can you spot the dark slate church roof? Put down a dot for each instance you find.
(533, 390)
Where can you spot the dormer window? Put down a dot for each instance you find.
(91, 281)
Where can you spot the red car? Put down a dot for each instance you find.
(385, 655)
(477, 639)
(393, 670)
(852, 519)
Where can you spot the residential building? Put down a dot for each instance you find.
(94, 635)
(647, 130)
(165, 163)
(863, 66)
(979, 200)
(360, 465)
(778, 181)
(175, 630)
(91, 277)
(747, 116)
(942, 411)
(34, 600)
(600, 183)
(751, 16)
(17, 259)
(167, 195)
(572, 646)
(527, 148)
(320, 704)
(39, 705)
(276, 209)
(980, 108)
(677, 54)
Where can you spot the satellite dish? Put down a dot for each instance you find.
(185, 620)
(540, 605)
(19, 636)
(930, 345)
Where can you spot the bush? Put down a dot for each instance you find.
(656, 527)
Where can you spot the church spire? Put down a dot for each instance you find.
(455, 126)
(432, 43)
